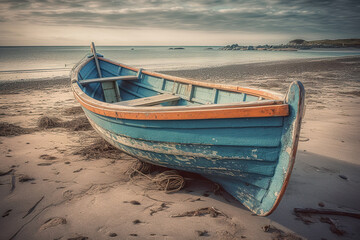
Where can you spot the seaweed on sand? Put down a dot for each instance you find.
(73, 111)
(8, 129)
(77, 124)
(46, 122)
(99, 149)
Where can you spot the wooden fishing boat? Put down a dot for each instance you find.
(241, 138)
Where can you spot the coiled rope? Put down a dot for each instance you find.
(169, 181)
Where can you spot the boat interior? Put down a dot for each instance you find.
(116, 83)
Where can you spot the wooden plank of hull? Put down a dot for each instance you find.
(239, 169)
(211, 150)
(261, 136)
(257, 174)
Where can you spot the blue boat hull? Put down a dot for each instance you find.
(248, 157)
(248, 148)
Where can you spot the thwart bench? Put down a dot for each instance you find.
(149, 101)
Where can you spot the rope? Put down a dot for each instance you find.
(169, 181)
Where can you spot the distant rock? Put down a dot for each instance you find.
(231, 47)
(297, 41)
(298, 44)
(326, 43)
(176, 48)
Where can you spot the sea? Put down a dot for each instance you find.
(52, 62)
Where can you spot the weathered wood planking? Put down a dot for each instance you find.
(244, 139)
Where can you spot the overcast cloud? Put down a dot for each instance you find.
(50, 20)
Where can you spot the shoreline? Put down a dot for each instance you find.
(228, 72)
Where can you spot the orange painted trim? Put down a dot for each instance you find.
(245, 112)
(264, 108)
(255, 92)
(76, 89)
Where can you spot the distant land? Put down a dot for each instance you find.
(297, 44)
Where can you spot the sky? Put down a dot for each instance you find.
(183, 22)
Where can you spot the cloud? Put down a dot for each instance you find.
(332, 17)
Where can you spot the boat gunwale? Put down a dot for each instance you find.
(262, 108)
(244, 112)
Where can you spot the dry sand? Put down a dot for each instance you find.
(53, 193)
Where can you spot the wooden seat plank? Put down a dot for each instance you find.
(108, 79)
(149, 101)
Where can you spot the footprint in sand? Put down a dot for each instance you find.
(44, 164)
(303, 139)
(47, 157)
(68, 195)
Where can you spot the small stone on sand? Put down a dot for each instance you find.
(133, 202)
(137, 221)
(112, 234)
(266, 228)
(5, 214)
(25, 178)
(202, 233)
(343, 177)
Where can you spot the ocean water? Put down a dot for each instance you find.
(27, 63)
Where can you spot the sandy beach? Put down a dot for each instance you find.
(58, 180)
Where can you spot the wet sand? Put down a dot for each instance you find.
(50, 191)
